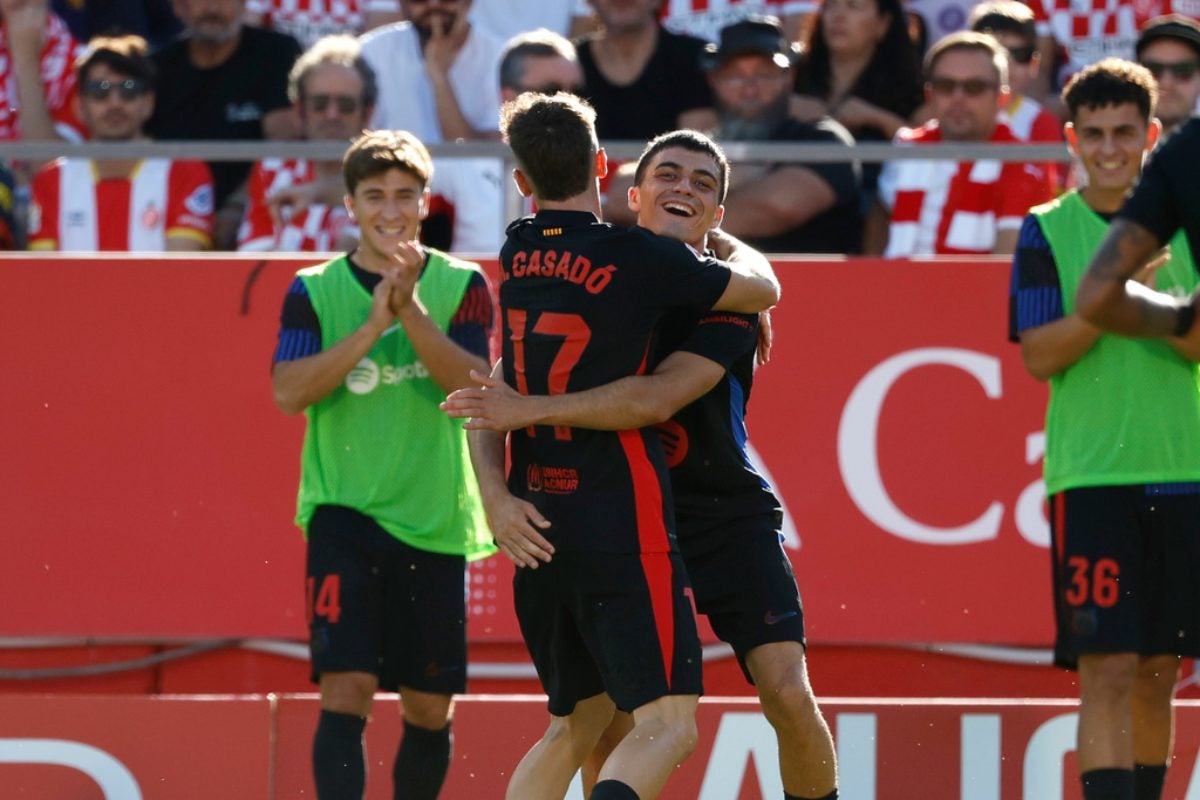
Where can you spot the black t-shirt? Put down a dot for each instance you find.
(838, 229)
(226, 102)
(671, 83)
(579, 302)
(1167, 196)
(705, 442)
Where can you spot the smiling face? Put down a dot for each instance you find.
(1110, 142)
(388, 208)
(679, 195)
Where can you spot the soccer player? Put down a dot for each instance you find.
(607, 615)
(369, 343)
(727, 516)
(134, 204)
(1122, 465)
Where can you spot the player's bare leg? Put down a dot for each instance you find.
(664, 734)
(546, 771)
(806, 755)
(621, 725)
(1105, 711)
(1153, 714)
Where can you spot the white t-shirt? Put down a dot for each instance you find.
(504, 19)
(405, 95)
(474, 188)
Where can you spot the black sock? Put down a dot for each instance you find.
(421, 763)
(1107, 784)
(831, 796)
(612, 790)
(1148, 781)
(339, 765)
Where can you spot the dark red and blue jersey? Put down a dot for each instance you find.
(712, 477)
(580, 301)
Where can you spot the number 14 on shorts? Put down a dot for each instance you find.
(325, 600)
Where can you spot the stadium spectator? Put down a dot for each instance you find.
(1169, 46)
(786, 207)
(948, 207)
(640, 656)
(306, 21)
(704, 19)
(37, 81)
(135, 204)
(333, 90)
(860, 67)
(539, 61)
(9, 230)
(224, 80)
(153, 20)
(505, 19)
(387, 500)
(642, 79)
(1011, 23)
(441, 73)
(1122, 464)
(727, 517)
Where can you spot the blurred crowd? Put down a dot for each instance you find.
(835, 73)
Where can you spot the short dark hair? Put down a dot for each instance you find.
(339, 48)
(685, 139)
(376, 152)
(968, 40)
(539, 43)
(1111, 82)
(126, 54)
(554, 140)
(1004, 16)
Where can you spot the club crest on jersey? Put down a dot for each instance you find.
(151, 217)
(200, 202)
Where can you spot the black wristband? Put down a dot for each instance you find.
(1185, 319)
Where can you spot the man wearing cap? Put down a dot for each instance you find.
(1169, 46)
(788, 206)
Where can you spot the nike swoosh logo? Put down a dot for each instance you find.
(771, 618)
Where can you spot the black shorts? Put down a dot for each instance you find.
(377, 605)
(746, 587)
(1126, 570)
(605, 622)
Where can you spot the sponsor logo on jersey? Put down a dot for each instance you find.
(674, 440)
(551, 480)
(200, 201)
(367, 375)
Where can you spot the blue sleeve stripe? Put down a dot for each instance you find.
(298, 287)
(1031, 235)
(1038, 306)
(294, 344)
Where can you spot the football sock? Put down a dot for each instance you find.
(1107, 784)
(612, 790)
(831, 796)
(339, 766)
(1148, 781)
(421, 763)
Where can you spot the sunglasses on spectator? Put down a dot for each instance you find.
(128, 89)
(1180, 70)
(346, 104)
(972, 87)
(1022, 55)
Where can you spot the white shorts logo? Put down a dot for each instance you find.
(364, 377)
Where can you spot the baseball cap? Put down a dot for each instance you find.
(1170, 26)
(757, 34)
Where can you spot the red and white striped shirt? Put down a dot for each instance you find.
(956, 207)
(705, 18)
(75, 211)
(1094, 29)
(309, 20)
(58, 82)
(315, 229)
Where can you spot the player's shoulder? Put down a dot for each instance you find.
(452, 262)
(322, 270)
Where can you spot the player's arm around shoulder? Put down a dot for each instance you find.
(300, 382)
(753, 286)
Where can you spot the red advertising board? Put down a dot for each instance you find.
(148, 481)
(259, 748)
